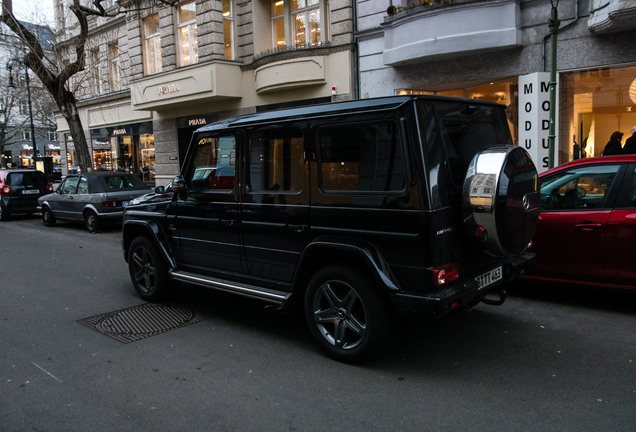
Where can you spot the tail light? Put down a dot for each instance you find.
(49, 187)
(445, 274)
(5, 191)
(108, 203)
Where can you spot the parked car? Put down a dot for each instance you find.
(587, 227)
(356, 210)
(92, 197)
(20, 190)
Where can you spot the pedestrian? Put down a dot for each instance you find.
(614, 146)
(630, 143)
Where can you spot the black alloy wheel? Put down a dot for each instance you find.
(148, 270)
(91, 221)
(346, 314)
(47, 217)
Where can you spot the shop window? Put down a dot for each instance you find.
(228, 28)
(113, 60)
(152, 44)
(593, 104)
(147, 157)
(276, 161)
(361, 158)
(187, 34)
(297, 23)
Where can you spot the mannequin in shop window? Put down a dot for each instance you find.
(614, 146)
(630, 143)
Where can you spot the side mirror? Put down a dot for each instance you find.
(178, 184)
(160, 189)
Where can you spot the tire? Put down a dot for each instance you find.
(91, 221)
(501, 201)
(47, 217)
(148, 270)
(347, 315)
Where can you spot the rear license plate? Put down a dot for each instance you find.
(490, 277)
(30, 191)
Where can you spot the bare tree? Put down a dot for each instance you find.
(54, 74)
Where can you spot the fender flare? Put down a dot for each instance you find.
(130, 230)
(371, 256)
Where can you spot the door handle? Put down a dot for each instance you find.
(588, 226)
(297, 228)
(227, 222)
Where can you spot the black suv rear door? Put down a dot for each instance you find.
(275, 203)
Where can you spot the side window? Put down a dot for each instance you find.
(82, 188)
(70, 185)
(214, 164)
(578, 188)
(363, 157)
(276, 161)
(627, 197)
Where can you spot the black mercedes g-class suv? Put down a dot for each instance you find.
(417, 205)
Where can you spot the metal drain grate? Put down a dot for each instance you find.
(140, 322)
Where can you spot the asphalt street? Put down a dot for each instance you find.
(549, 359)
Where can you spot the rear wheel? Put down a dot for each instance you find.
(47, 217)
(91, 221)
(148, 270)
(346, 314)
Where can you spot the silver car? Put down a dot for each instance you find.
(93, 197)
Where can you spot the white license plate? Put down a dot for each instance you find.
(30, 191)
(489, 278)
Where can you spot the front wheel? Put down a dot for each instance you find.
(148, 270)
(346, 314)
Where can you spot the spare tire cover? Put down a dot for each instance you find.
(501, 200)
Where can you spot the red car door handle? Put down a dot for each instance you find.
(589, 226)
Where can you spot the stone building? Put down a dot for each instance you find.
(155, 75)
(500, 50)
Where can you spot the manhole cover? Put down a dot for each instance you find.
(139, 322)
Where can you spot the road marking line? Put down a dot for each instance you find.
(47, 372)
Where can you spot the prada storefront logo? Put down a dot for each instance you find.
(168, 88)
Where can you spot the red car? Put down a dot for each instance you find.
(587, 226)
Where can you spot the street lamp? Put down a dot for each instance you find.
(11, 85)
(553, 25)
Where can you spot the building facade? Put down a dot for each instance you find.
(500, 50)
(22, 105)
(155, 75)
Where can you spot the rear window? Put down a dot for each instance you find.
(123, 182)
(35, 178)
(468, 130)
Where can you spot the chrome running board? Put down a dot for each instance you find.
(253, 291)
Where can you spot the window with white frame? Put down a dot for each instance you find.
(228, 29)
(96, 71)
(24, 107)
(113, 60)
(297, 23)
(52, 135)
(26, 135)
(152, 44)
(187, 33)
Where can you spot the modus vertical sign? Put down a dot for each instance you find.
(534, 117)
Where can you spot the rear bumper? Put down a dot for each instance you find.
(15, 205)
(461, 293)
